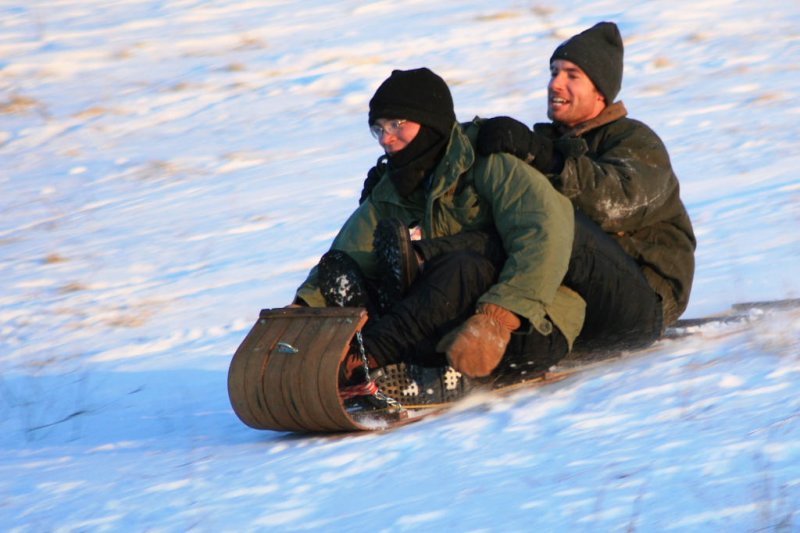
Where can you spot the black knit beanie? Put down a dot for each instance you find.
(418, 95)
(598, 51)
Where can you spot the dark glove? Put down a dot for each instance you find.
(505, 134)
(373, 177)
(545, 157)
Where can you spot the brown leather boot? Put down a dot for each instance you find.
(476, 347)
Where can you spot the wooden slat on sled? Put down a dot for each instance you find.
(284, 375)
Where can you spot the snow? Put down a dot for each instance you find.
(171, 167)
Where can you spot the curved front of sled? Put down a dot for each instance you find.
(284, 375)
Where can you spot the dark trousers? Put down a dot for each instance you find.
(441, 298)
(622, 310)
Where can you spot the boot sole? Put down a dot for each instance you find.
(395, 256)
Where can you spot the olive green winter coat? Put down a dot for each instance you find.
(618, 172)
(467, 192)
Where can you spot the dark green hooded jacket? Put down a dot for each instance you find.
(466, 192)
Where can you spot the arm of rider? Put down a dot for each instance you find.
(505, 134)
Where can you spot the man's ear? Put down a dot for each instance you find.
(600, 97)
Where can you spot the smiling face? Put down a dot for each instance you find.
(572, 98)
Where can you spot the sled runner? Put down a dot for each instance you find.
(285, 374)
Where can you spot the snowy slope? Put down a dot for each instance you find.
(171, 167)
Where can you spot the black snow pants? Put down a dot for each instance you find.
(622, 310)
(442, 297)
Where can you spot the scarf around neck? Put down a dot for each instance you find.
(409, 167)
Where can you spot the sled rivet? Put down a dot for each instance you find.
(285, 347)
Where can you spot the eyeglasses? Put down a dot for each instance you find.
(391, 127)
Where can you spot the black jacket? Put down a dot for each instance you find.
(618, 172)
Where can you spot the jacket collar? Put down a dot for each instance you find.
(458, 158)
(608, 115)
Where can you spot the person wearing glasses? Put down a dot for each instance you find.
(463, 306)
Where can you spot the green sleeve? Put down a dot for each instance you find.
(536, 224)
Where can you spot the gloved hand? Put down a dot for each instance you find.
(477, 346)
(505, 134)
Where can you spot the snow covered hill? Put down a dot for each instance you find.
(170, 167)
